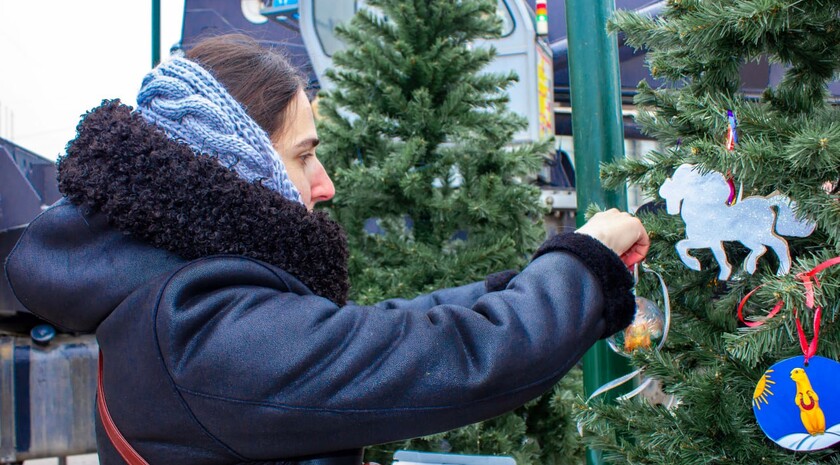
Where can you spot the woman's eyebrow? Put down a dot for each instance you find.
(311, 142)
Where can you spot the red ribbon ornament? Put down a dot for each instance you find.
(753, 324)
(809, 349)
(806, 279)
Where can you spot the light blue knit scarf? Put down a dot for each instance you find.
(190, 105)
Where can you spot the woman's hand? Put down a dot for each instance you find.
(622, 232)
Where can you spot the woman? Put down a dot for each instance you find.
(218, 296)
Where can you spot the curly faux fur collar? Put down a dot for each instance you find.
(159, 191)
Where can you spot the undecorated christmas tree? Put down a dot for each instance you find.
(432, 191)
(745, 230)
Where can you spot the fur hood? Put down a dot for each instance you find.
(162, 193)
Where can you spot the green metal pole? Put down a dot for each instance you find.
(598, 137)
(155, 32)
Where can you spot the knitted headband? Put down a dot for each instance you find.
(190, 105)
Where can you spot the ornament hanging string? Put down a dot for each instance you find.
(732, 136)
(730, 181)
(731, 140)
(809, 349)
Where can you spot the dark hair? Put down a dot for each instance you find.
(260, 78)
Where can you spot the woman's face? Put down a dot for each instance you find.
(296, 144)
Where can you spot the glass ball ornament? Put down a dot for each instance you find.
(645, 332)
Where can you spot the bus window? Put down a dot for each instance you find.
(507, 19)
(327, 16)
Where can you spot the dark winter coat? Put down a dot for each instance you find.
(220, 311)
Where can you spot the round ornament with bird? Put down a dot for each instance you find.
(797, 404)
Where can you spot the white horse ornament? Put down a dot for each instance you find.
(709, 221)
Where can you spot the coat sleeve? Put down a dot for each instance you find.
(273, 373)
(464, 296)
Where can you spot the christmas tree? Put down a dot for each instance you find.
(728, 407)
(432, 192)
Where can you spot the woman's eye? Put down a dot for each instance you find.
(304, 157)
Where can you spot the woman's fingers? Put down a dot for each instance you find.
(623, 233)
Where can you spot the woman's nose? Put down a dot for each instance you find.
(322, 188)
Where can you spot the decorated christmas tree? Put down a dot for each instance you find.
(745, 228)
(431, 190)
